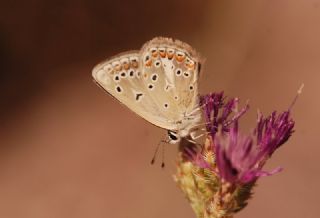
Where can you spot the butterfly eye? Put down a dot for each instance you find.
(166, 105)
(191, 87)
(118, 89)
(174, 138)
(178, 72)
(157, 63)
(172, 135)
(154, 77)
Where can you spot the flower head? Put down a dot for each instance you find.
(240, 158)
(273, 131)
(218, 178)
(220, 115)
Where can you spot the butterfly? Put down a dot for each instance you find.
(158, 82)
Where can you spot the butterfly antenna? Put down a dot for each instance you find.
(156, 152)
(162, 164)
(296, 97)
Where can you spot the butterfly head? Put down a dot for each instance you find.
(173, 137)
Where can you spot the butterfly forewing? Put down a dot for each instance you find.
(121, 77)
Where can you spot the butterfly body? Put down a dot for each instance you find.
(159, 83)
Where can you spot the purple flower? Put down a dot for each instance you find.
(273, 131)
(217, 112)
(239, 158)
(212, 104)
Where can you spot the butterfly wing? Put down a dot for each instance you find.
(121, 76)
(171, 71)
(159, 83)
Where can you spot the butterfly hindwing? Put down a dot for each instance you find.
(177, 66)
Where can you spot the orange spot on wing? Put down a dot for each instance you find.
(180, 58)
(170, 55)
(162, 54)
(148, 63)
(118, 67)
(154, 54)
(134, 64)
(126, 66)
(190, 66)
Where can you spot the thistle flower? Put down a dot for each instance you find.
(217, 112)
(218, 178)
(239, 159)
(273, 131)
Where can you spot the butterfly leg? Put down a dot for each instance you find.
(192, 139)
(197, 109)
(198, 136)
(195, 127)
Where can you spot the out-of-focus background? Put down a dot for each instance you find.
(69, 150)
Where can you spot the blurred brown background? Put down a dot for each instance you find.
(69, 150)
